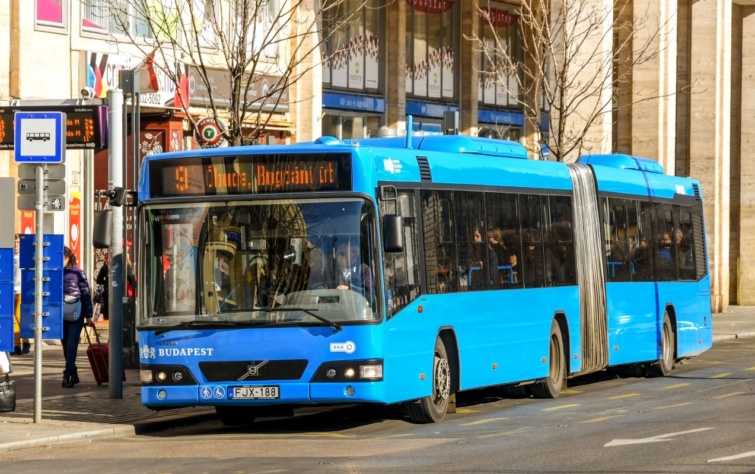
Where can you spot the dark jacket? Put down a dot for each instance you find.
(75, 284)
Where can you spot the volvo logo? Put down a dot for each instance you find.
(252, 370)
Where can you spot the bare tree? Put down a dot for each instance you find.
(243, 55)
(572, 60)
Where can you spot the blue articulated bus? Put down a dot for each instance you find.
(405, 270)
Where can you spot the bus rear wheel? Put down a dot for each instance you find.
(551, 386)
(665, 365)
(433, 408)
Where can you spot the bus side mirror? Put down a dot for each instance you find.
(393, 233)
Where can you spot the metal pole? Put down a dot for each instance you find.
(39, 256)
(115, 310)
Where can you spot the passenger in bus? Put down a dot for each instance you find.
(642, 261)
(684, 258)
(561, 267)
(534, 266)
(665, 257)
(512, 279)
(476, 260)
(351, 273)
(497, 257)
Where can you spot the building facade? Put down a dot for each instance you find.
(685, 105)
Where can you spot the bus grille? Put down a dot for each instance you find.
(253, 370)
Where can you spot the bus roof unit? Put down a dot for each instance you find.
(627, 162)
(452, 144)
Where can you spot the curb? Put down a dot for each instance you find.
(740, 335)
(117, 430)
(137, 428)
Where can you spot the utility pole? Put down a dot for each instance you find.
(115, 260)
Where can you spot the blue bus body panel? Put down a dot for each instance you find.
(690, 303)
(188, 348)
(633, 323)
(502, 339)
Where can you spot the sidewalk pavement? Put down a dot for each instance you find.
(88, 412)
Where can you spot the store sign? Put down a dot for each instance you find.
(209, 132)
(265, 92)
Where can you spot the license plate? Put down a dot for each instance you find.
(266, 392)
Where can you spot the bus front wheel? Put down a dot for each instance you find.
(665, 365)
(433, 408)
(551, 386)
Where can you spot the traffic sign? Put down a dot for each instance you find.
(26, 202)
(40, 137)
(52, 186)
(53, 171)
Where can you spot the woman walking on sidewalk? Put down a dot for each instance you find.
(75, 286)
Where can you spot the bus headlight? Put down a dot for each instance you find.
(166, 375)
(370, 370)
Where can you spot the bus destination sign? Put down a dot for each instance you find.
(249, 174)
(85, 127)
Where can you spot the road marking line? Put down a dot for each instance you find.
(571, 391)
(480, 422)
(327, 435)
(561, 407)
(720, 376)
(751, 368)
(465, 410)
(598, 420)
(673, 406)
(679, 385)
(626, 395)
(503, 433)
(733, 394)
(734, 457)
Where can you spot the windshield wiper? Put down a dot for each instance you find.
(206, 324)
(310, 312)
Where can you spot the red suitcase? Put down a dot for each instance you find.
(98, 357)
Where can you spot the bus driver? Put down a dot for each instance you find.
(350, 272)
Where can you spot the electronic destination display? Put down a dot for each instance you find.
(250, 174)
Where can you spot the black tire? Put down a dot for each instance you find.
(513, 391)
(433, 408)
(665, 364)
(550, 387)
(236, 416)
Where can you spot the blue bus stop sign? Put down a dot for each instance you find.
(40, 137)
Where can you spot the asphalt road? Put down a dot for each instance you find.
(701, 419)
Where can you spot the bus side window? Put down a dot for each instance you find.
(533, 257)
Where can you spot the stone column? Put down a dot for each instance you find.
(709, 152)
(305, 95)
(469, 67)
(395, 65)
(585, 115)
(746, 265)
(654, 81)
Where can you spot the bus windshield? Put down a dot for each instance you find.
(296, 261)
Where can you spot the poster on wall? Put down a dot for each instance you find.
(26, 222)
(74, 223)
